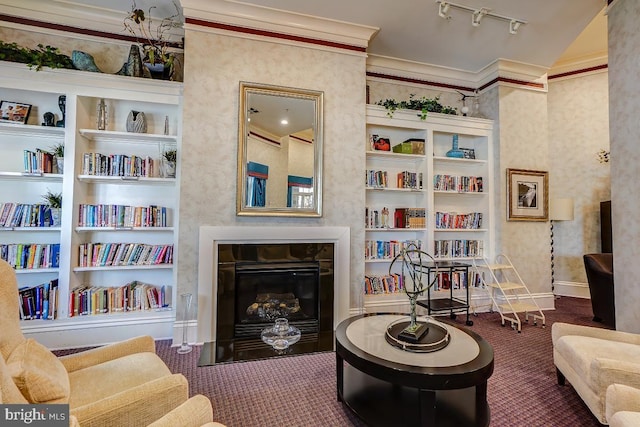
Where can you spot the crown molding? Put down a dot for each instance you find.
(578, 67)
(503, 72)
(236, 16)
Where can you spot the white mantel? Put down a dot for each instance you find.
(211, 237)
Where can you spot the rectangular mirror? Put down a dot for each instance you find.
(279, 151)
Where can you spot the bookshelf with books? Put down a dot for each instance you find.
(448, 212)
(114, 195)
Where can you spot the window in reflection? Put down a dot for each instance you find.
(257, 176)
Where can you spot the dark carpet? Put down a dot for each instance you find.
(301, 390)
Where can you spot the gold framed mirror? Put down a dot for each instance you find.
(279, 151)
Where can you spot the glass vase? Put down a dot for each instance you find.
(455, 152)
(186, 304)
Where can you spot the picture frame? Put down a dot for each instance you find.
(527, 195)
(14, 112)
(379, 143)
(469, 153)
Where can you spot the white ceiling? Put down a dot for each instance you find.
(412, 30)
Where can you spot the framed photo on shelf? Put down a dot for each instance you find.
(14, 112)
(469, 153)
(527, 195)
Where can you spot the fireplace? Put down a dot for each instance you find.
(258, 283)
(260, 273)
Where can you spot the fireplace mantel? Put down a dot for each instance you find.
(211, 237)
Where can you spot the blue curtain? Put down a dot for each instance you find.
(257, 175)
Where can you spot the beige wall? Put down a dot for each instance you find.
(523, 144)
(214, 66)
(578, 129)
(624, 104)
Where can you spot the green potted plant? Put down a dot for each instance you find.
(170, 157)
(54, 200)
(43, 56)
(154, 39)
(58, 152)
(424, 105)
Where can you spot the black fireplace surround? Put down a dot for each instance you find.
(258, 283)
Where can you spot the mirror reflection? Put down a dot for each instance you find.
(280, 151)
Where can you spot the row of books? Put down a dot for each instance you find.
(39, 161)
(404, 179)
(461, 184)
(25, 215)
(410, 218)
(118, 165)
(458, 280)
(122, 254)
(31, 255)
(122, 216)
(452, 220)
(385, 284)
(39, 302)
(134, 296)
(387, 249)
(458, 248)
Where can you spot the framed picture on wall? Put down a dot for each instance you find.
(527, 195)
(14, 112)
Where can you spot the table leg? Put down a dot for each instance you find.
(339, 377)
(427, 407)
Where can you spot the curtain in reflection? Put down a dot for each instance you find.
(257, 175)
(299, 192)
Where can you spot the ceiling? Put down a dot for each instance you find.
(412, 30)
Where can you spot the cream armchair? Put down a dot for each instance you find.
(123, 384)
(594, 358)
(623, 406)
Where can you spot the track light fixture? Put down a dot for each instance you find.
(478, 14)
(443, 9)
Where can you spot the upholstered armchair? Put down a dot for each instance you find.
(623, 406)
(594, 358)
(599, 268)
(123, 384)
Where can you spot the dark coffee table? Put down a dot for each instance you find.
(388, 386)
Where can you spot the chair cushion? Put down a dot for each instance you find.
(38, 373)
(97, 382)
(580, 351)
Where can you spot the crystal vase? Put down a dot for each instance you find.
(186, 304)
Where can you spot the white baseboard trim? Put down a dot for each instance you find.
(89, 331)
(572, 289)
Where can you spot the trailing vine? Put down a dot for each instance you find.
(424, 105)
(43, 56)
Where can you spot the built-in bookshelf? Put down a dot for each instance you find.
(417, 195)
(115, 195)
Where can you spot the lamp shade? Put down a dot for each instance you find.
(561, 210)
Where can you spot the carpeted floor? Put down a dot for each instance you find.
(301, 390)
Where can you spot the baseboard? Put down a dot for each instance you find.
(89, 331)
(479, 302)
(571, 289)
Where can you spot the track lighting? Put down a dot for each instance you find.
(514, 24)
(443, 9)
(478, 14)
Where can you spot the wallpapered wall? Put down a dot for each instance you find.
(624, 48)
(578, 129)
(214, 66)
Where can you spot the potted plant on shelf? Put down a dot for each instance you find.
(58, 152)
(54, 200)
(154, 39)
(424, 105)
(170, 157)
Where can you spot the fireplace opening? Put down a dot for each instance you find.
(257, 283)
(267, 291)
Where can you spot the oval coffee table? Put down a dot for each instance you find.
(387, 386)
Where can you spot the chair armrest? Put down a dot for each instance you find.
(560, 329)
(195, 412)
(138, 406)
(622, 397)
(604, 372)
(95, 356)
(624, 419)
